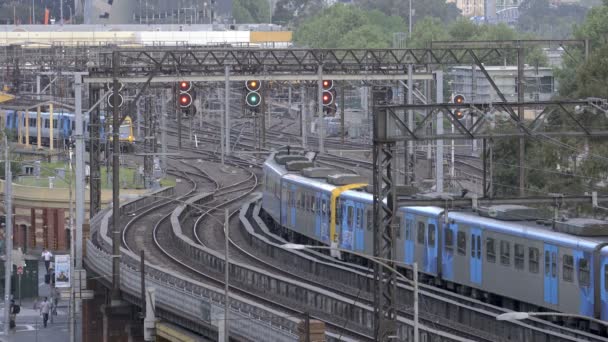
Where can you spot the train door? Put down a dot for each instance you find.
(324, 215)
(359, 230)
(449, 234)
(348, 225)
(551, 274)
(603, 287)
(430, 265)
(292, 206)
(409, 238)
(284, 202)
(475, 261)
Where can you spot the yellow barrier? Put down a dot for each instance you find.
(271, 37)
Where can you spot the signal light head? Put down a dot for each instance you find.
(253, 99)
(185, 100)
(459, 99)
(253, 85)
(327, 98)
(327, 84)
(185, 86)
(459, 114)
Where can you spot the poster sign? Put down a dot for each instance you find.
(62, 271)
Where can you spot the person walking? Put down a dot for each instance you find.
(47, 256)
(14, 309)
(45, 309)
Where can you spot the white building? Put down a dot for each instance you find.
(540, 83)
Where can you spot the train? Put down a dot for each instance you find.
(63, 127)
(503, 254)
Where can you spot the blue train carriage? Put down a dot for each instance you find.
(553, 267)
(18, 121)
(271, 196)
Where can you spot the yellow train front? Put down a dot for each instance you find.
(126, 136)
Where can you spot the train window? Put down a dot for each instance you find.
(461, 238)
(520, 254)
(505, 253)
(568, 268)
(449, 239)
(547, 263)
(370, 219)
(491, 250)
(32, 122)
(583, 272)
(432, 234)
(46, 123)
(324, 206)
(409, 225)
(421, 233)
(339, 211)
(73, 125)
(349, 216)
(533, 259)
(315, 204)
(359, 217)
(397, 225)
(478, 247)
(605, 277)
(54, 123)
(553, 265)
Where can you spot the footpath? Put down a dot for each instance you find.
(29, 326)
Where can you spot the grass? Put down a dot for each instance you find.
(129, 179)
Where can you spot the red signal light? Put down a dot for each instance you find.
(185, 86)
(459, 114)
(327, 98)
(327, 84)
(459, 99)
(185, 100)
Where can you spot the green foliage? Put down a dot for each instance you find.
(251, 11)
(427, 30)
(545, 20)
(342, 26)
(445, 12)
(292, 12)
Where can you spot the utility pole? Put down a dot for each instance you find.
(227, 275)
(8, 209)
(439, 150)
(227, 109)
(115, 182)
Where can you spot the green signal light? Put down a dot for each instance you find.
(253, 99)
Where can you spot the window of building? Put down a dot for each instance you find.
(461, 238)
(449, 239)
(568, 268)
(533, 259)
(520, 255)
(505, 253)
(490, 250)
(583, 272)
(420, 236)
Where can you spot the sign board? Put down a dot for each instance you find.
(62, 271)
(20, 270)
(79, 294)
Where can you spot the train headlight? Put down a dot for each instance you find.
(131, 138)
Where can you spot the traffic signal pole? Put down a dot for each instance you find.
(303, 127)
(227, 111)
(8, 210)
(439, 150)
(321, 130)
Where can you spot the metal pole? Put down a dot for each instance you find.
(410, 21)
(416, 318)
(115, 182)
(342, 112)
(289, 100)
(521, 84)
(143, 281)
(163, 130)
(61, 11)
(439, 152)
(72, 289)
(409, 151)
(303, 127)
(321, 132)
(33, 13)
(226, 274)
(227, 109)
(80, 193)
(8, 209)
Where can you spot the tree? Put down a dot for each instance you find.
(546, 20)
(251, 11)
(445, 12)
(426, 31)
(342, 26)
(292, 12)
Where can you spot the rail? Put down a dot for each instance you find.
(192, 300)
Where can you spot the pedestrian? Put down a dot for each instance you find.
(45, 308)
(47, 256)
(14, 309)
